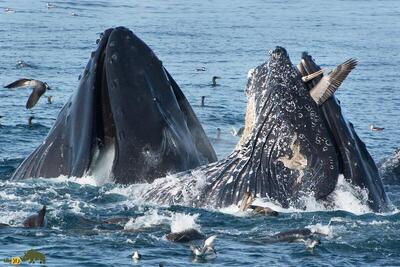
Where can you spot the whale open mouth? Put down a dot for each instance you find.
(128, 120)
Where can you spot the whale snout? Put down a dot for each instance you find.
(278, 52)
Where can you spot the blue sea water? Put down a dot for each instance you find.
(228, 38)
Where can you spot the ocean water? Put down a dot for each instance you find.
(227, 38)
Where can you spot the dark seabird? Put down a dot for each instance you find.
(327, 86)
(376, 129)
(49, 101)
(303, 235)
(38, 89)
(36, 220)
(30, 124)
(218, 133)
(247, 203)
(202, 100)
(214, 80)
(201, 69)
(185, 236)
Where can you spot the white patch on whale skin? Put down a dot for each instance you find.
(297, 161)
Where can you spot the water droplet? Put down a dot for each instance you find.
(114, 57)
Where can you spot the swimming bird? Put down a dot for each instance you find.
(206, 250)
(302, 235)
(50, 5)
(74, 14)
(238, 132)
(247, 203)
(202, 100)
(136, 255)
(327, 86)
(49, 101)
(376, 129)
(30, 124)
(38, 89)
(201, 69)
(214, 80)
(185, 236)
(9, 10)
(218, 133)
(22, 64)
(36, 220)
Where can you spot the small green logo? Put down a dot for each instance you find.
(31, 256)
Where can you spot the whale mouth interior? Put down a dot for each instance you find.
(103, 145)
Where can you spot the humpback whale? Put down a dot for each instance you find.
(127, 112)
(355, 162)
(295, 146)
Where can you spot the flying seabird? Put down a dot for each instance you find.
(38, 89)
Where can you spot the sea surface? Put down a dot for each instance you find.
(227, 38)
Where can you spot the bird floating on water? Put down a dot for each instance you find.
(49, 101)
(214, 80)
(206, 250)
(202, 100)
(22, 64)
(201, 69)
(136, 255)
(375, 128)
(50, 5)
(38, 89)
(218, 133)
(9, 10)
(30, 123)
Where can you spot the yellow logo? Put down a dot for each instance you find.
(16, 260)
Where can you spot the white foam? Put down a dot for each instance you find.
(150, 219)
(319, 228)
(346, 197)
(181, 222)
(350, 198)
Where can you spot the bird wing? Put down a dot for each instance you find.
(328, 85)
(209, 241)
(19, 83)
(33, 99)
